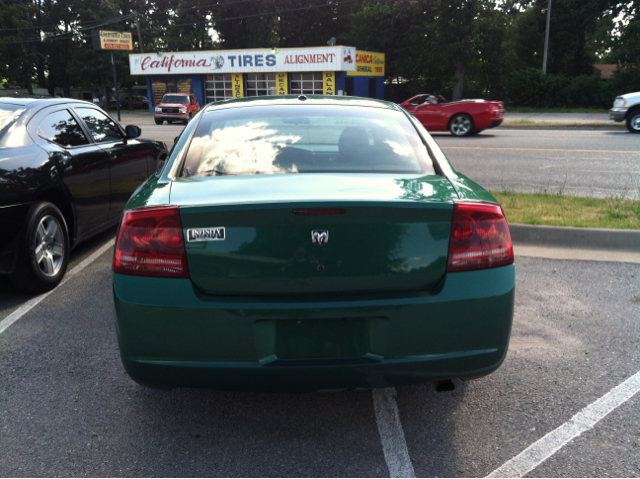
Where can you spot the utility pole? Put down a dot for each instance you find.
(135, 18)
(115, 82)
(546, 39)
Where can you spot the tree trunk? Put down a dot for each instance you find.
(459, 87)
(104, 99)
(42, 79)
(27, 78)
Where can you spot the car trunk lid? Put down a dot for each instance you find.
(315, 234)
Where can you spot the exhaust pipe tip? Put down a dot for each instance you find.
(446, 385)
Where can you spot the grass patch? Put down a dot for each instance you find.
(561, 210)
(525, 109)
(543, 124)
(520, 122)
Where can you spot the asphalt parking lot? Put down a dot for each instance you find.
(68, 408)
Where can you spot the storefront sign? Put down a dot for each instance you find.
(281, 84)
(184, 86)
(329, 86)
(238, 89)
(104, 40)
(158, 88)
(368, 64)
(245, 61)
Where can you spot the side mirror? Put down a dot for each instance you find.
(132, 131)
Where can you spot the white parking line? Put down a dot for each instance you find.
(545, 447)
(394, 445)
(29, 305)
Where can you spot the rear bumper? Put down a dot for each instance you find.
(170, 335)
(487, 119)
(12, 219)
(618, 114)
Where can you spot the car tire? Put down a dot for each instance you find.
(186, 122)
(159, 122)
(461, 125)
(633, 121)
(43, 251)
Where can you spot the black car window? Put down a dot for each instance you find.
(61, 128)
(9, 113)
(102, 128)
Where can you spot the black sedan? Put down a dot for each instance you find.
(66, 171)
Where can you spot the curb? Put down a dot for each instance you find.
(580, 238)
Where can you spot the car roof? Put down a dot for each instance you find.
(39, 101)
(15, 100)
(300, 99)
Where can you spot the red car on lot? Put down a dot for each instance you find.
(176, 107)
(461, 118)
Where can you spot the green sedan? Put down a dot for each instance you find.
(310, 242)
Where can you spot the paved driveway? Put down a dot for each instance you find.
(68, 408)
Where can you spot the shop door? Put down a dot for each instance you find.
(348, 86)
(372, 87)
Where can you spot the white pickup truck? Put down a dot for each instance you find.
(627, 108)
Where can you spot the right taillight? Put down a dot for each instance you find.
(151, 243)
(480, 237)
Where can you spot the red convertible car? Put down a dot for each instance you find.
(461, 118)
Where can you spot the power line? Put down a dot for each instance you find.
(64, 35)
(278, 12)
(41, 27)
(212, 21)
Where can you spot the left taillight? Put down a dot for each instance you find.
(151, 243)
(480, 237)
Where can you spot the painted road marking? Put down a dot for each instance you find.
(590, 171)
(533, 149)
(33, 302)
(547, 446)
(394, 445)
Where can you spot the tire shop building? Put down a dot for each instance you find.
(224, 74)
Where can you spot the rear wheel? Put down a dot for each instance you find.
(44, 250)
(633, 122)
(159, 122)
(461, 125)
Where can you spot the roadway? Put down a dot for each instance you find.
(601, 163)
(579, 162)
(67, 408)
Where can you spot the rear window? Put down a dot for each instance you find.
(305, 139)
(9, 113)
(182, 99)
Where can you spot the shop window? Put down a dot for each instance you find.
(309, 83)
(218, 87)
(261, 84)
